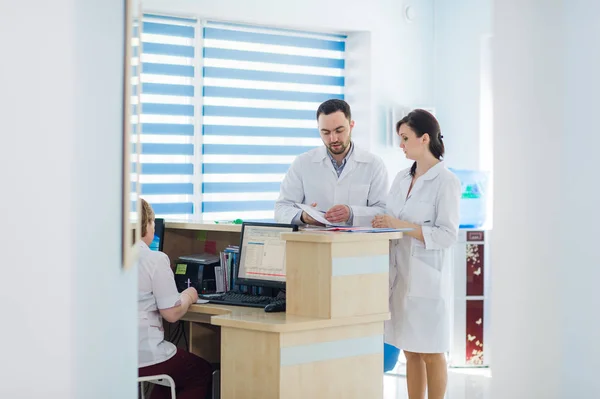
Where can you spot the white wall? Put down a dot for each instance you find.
(403, 72)
(546, 271)
(69, 311)
(461, 28)
(398, 55)
(105, 294)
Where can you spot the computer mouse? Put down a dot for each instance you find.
(275, 307)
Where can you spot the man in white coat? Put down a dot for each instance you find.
(347, 183)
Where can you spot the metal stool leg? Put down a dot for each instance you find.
(156, 378)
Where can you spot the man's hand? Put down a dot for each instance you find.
(338, 214)
(306, 218)
(387, 222)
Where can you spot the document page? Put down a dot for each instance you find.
(316, 214)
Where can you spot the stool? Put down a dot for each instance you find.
(160, 379)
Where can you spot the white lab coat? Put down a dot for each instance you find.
(420, 273)
(311, 178)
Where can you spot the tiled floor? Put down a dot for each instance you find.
(462, 384)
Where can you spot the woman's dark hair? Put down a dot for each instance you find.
(421, 122)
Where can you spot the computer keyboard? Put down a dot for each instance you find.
(239, 299)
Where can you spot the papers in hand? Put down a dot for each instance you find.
(368, 229)
(316, 214)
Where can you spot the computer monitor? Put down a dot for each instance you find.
(262, 254)
(159, 235)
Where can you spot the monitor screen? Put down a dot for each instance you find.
(159, 234)
(262, 254)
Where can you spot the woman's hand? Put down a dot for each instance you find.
(191, 294)
(386, 222)
(390, 222)
(187, 298)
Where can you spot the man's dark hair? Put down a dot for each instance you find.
(334, 105)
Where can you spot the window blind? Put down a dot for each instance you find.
(261, 90)
(167, 114)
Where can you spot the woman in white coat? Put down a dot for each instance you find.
(425, 198)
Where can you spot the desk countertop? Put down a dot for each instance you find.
(321, 236)
(257, 319)
(308, 235)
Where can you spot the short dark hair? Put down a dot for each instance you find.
(421, 122)
(334, 105)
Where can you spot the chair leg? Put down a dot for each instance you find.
(142, 389)
(160, 377)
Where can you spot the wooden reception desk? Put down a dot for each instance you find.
(329, 342)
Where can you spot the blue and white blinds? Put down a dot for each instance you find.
(261, 89)
(168, 114)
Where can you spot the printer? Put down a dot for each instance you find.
(197, 271)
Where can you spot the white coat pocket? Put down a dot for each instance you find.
(423, 213)
(425, 274)
(357, 194)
